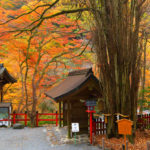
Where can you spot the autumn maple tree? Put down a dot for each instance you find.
(116, 32)
(43, 53)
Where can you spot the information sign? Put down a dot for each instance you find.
(125, 126)
(75, 127)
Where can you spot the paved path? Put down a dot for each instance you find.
(59, 136)
(33, 139)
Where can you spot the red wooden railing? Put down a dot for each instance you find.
(143, 121)
(99, 126)
(14, 118)
(38, 119)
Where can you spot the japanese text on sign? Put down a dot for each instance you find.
(75, 127)
(125, 126)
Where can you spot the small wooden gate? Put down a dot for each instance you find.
(99, 126)
(143, 121)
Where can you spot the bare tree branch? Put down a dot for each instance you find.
(27, 13)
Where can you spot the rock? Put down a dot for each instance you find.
(3, 126)
(18, 126)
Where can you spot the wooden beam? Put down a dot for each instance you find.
(68, 119)
(64, 114)
(60, 114)
(1, 91)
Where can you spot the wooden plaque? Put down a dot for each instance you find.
(125, 126)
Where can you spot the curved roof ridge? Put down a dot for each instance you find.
(81, 72)
(72, 83)
(5, 76)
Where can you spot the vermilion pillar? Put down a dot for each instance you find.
(91, 124)
(91, 127)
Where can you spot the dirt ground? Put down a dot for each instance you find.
(116, 144)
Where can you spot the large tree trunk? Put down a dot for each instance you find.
(116, 44)
(22, 89)
(143, 47)
(33, 119)
(34, 104)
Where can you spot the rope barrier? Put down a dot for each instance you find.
(101, 115)
(125, 116)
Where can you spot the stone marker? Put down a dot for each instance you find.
(18, 126)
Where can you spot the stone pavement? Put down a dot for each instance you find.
(58, 136)
(35, 139)
(58, 139)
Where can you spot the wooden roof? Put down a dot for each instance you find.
(74, 83)
(5, 77)
(5, 105)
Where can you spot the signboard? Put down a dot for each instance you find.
(4, 115)
(125, 126)
(90, 103)
(75, 127)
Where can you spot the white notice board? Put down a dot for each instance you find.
(75, 127)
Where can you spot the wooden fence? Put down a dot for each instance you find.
(143, 121)
(99, 126)
(38, 119)
(25, 119)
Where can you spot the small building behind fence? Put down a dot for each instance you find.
(5, 111)
(5, 108)
(71, 95)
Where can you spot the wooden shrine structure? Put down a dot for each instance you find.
(71, 95)
(5, 108)
(5, 78)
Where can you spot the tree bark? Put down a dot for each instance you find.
(144, 70)
(116, 41)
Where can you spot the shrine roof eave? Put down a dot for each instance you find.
(5, 77)
(73, 83)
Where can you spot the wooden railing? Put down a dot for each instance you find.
(143, 121)
(99, 126)
(25, 119)
(38, 119)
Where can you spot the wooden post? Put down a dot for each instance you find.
(94, 127)
(1, 90)
(125, 141)
(25, 118)
(126, 145)
(91, 127)
(148, 145)
(123, 147)
(68, 119)
(56, 118)
(60, 114)
(103, 147)
(63, 114)
(37, 119)
(14, 117)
